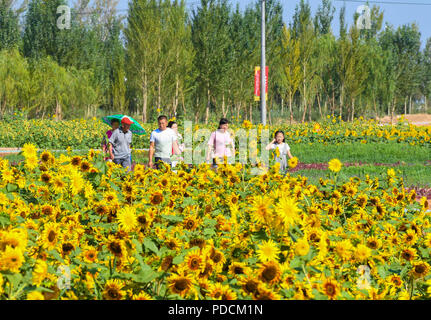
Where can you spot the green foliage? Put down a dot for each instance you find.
(199, 65)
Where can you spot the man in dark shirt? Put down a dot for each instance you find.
(119, 144)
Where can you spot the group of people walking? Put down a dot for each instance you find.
(166, 145)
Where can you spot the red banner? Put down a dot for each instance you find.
(257, 83)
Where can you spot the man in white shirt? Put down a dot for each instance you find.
(162, 141)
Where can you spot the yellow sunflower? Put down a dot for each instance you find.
(127, 218)
(270, 272)
(331, 288)
(112, 290)
(268, 251)
(50, 236)
(335, 165)
(261, 210)
(194, 262)
(180, 284)
(12, 259)
(287, 210)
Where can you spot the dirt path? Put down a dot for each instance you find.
(420, 119)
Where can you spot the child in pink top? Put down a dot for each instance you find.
(220, 143)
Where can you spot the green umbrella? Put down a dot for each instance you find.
(135, 127)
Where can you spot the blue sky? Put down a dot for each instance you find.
(394, 14)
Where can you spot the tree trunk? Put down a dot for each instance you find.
(393, 110)
(341, 101)
(410, 105)
(251, 112)
(159, 93)
(177, 85)
(3, 107)
(353, 109)
(183, 103)
(310, 108)
(144, 99)
(223, 106)
(375, 107)
(207, 113)
(304, 100)
(270, 110)
(320, 108)
(282, 106)
(58, 115)
(304, 112)
(269, 117)
(290, 109)
(325, 107)
(304, 97)
(333, 103)
(426, 106)
(405, 105)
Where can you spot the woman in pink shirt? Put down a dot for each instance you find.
(220, 143)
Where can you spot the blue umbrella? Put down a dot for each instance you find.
(135, 127)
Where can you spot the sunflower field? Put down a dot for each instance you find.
(87, 134)
(75, 227)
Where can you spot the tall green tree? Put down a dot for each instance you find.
(141, 51)
(9, 26)
(42, 37)
(14, 80)
(324, 16)
(426, 75)
(290, 65)
(211, 41)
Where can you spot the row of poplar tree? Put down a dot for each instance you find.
(163, 56)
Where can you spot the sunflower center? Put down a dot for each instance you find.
(167, 262)
(67, 247)
(194, 263)
(330, 289)
(419, 269)
(238, 270)
(113, 293)
(181, 285)
(171, 245)
(269, 273)
(142, 219)
(407, 255)
(51, 236)
(251, 286)
(372, 244)
(115, 248)
(216, 257)
(190, 224)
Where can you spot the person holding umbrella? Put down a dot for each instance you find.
(119, 144)
(134, 128)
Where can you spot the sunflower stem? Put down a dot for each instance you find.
(306, 274)
(412, 287)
